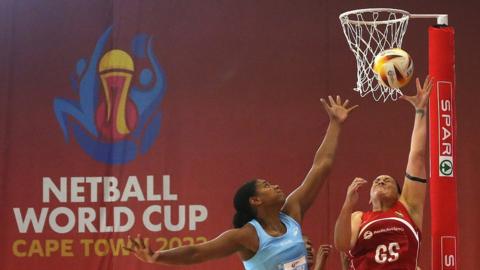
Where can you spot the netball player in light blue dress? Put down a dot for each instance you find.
(267, 233)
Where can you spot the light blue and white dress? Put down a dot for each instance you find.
(285, 252)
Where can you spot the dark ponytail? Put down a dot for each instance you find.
(241, 202)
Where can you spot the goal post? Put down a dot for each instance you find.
(443, 176)
(372, 30)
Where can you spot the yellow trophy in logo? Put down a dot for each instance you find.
(116, 114)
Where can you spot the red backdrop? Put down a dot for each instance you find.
(243, 83)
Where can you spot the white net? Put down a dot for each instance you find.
(368, 32)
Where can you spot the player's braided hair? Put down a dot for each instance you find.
(241, 202)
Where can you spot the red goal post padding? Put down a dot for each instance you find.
(443, 181)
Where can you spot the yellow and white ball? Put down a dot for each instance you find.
(393, 68)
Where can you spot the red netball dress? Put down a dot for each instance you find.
(387, 240)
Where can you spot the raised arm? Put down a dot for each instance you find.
(344, 261)
(322, 256)
(302, 198)
(414, 186)
(348, 222)
(224, 245)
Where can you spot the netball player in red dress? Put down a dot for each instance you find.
(388, 236)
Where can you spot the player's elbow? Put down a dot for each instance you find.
(341, 242)
(417, 155)
(343, 246)
(193, 255)
(417, 160)
(324, 165)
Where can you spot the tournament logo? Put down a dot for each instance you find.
(116, 116)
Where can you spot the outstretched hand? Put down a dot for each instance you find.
(322, 253)
(141, 249)
(420, 100)
(336, 110)
(352, 191)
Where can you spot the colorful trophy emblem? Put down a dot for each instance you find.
(114, 120)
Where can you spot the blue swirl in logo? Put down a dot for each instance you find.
(113, 120)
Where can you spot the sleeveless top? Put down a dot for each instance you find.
(387, 240)
(285, 252)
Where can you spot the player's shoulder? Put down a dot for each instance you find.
(241, 234)
(356, 218)
(357, 215)
(403, 205)
(246, 232)
(247, 237)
